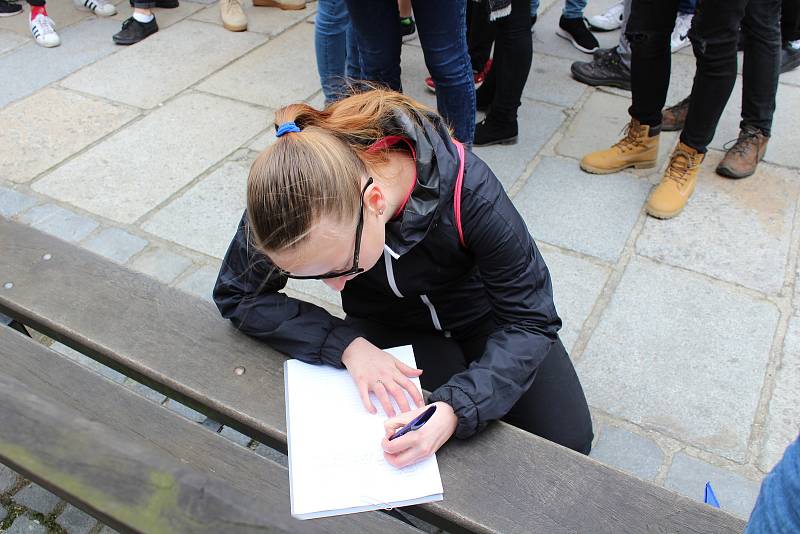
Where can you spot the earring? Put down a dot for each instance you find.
(380, 212)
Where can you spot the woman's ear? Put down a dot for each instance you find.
(375, 200)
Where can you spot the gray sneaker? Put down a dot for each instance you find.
(606, 68)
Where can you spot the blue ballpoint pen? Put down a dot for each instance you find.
(416, 423)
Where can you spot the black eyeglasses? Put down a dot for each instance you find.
(355, 269)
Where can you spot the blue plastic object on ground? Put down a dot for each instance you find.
(710, 498)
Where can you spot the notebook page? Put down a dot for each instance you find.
(336, 463)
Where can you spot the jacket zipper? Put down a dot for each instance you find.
(387, 259)
(434, 317)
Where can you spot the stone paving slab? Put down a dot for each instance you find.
(13, 202)
(90, 363)
(25, 525)
(10, 40)
(263, 76)
(8, 479)
(734, 230)
(735, 493)
(260, 143)
(577, 283)
(564, 206)
(185, 411)
(59, 222)
(317, 289)
(550, 81)
(201, 282)
(632, 453)
(782, 148)
(32, 67)
(161, 263)
(663, 357)
(600, 123)
(103, 182)
(206, 216)
(76, 521)
(3, 512)
(73, 122)
(115, 244)
(507, 163)
(188, 51)
(783, 413)
(267, 20)
(36, 498)
(235, 436)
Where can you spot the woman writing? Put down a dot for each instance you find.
(374, 197)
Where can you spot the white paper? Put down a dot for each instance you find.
(336, 463)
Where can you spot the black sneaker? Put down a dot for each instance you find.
(493, 132)
(134, 31)
(604, 69)
(8, 9)
(407, 28)
(577, 32)
(790, 57)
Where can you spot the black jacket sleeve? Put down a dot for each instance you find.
(520, 292)
(247, 293)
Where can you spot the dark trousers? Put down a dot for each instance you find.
(714, 35)
(38, 3)
(554, 407)
(513, 53)
(442, 33)
(790, 20)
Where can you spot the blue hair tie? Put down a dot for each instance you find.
(286, 127)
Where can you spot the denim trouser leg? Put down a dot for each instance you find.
(534, 7)
(778, 506)
(687, 7)
(442, 28)
(762, 60)
(573, 9)
(330, 42)
(377, 32)
(142, 5)
(353, 65)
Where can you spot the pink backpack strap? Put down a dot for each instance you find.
(457, 193)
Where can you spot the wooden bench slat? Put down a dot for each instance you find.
(133, 463)
(504, 480)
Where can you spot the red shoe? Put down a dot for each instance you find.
(478, 76)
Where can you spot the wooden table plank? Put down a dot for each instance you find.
(134, 464)
(504, 480)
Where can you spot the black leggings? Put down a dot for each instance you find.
(554, 407)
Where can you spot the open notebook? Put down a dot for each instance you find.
(336, 464)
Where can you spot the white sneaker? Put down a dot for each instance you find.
(610, 20)
(44, 31)
(102, 8)
(680, 35)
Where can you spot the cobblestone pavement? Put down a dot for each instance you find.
(685, 333)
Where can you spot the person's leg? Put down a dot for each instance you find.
(572, 27)
(330, 43)
(481, 36)
(512, 63)
(777, 508)
(42, 26)
(762, 62)
(139, 26)
(609, 66)
(573, 9)
(624, 46)
(443, 36)
(714, 35)
(353, 65)
(378, 38)
(687, 7)
(790, 20)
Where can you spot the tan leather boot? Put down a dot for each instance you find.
(743, 157)
(283, 4)
(677, 185)
(233, 17)
(637, 149)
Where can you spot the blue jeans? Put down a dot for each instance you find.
(777, 509)
(336, 48)
(686, 7)
(442, 29)
(573, 9)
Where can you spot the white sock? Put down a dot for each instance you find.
(141, 17)
(795, 44)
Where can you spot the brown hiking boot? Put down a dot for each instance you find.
(283, 4)
(677, 185)
(743, 157)
(639, 149)
(674, 117)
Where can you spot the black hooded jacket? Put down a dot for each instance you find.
(425, 280)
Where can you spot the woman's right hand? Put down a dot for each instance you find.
(381, 373)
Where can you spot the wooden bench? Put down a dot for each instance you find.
(503, 480)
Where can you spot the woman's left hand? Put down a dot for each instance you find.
(419, 444)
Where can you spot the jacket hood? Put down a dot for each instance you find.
(437, 168)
